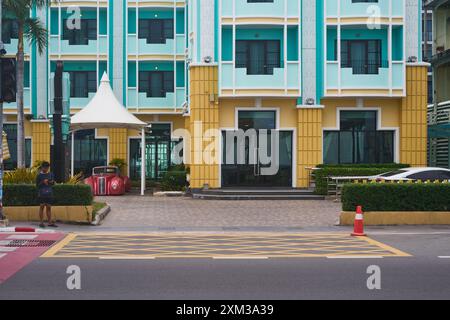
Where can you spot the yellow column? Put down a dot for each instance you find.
(309, 142)
(118, 140)
(204, 116)
(41, 139)
(413, 129)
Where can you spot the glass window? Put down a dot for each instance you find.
(82, 83)
(258, 56)
(89, 152)
(156, 83)
(257, 120)
(10, 30)
(11, 132)
(88, 31)
(156, 30)
(363, 56)
(358, 141)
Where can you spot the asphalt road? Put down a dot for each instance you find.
(422, 276)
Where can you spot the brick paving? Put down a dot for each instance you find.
(133, 211)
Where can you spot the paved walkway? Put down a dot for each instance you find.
(133, 211)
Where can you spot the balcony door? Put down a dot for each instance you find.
(363, 56)
(259, 57)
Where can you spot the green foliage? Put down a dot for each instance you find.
(358, 170)
(119, 163)
(21, 176)
(397, 196)
(17, 195)
(174, 180)
(76, 179)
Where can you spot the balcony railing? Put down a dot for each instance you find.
(364, 66)
(259, 66)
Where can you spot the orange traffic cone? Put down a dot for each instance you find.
(359, 223)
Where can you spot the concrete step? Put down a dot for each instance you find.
(245, 194)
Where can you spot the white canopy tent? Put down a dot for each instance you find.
(105, 111)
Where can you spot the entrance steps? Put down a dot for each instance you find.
(257, 194)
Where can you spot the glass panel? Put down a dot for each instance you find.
(89, 152)
(358, 120)
(257, 120)
(11, 132)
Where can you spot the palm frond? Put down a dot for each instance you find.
(35, 32)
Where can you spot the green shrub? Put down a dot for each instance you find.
(397, 196)
(17, 195)
(174, 181)
(359, 170)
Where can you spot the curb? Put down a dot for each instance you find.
(24, 230)
(101, 215)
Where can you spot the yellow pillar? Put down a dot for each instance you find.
(413, 129)
(118, 140)
(204, 108)
(309, 142)
(41, 139)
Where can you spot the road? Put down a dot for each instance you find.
(414, 265)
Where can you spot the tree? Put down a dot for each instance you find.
(34, 31)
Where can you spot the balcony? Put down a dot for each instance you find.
(347, 8)
(284, 81)
(171, 47)
(140, 100)
(11, 48)
(58, 46)
(388, 78)
(26, 101)
(243, 8)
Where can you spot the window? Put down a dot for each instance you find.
(88, 31)
(10, 30)
(11, 132)
(358, 140)
(363, 56)
(156, 30)
(258, 56)
(430, 175)
(258, 1)
(89, 152)
(82, 82)
(156, 83)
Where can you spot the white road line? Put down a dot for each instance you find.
(22, 237)
(7, 249)
(381, 233)
(2, 255)
(354, 257)
(5, 242)
(444, 257)
(240, 258)
(126, 258)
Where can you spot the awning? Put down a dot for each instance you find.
(105, 111)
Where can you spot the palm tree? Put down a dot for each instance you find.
(34, 31)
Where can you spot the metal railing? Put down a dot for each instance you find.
(365, 66)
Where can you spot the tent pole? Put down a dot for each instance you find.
(143, 162)
(72, 155)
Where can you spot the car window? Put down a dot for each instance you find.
(392, 173)
(430, 175)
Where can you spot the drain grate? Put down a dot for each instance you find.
(30, 243)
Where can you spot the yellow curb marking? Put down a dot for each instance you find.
(56, 248)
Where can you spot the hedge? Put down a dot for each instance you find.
(359, 170)
(174, 181)
(396, 196)
(18, 195)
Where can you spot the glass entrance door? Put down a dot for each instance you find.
(243, 163)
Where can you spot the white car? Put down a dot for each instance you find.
(415, 174)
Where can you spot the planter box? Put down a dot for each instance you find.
(381, 218)
(79, 214)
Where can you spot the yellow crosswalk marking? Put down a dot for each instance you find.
(115, 246)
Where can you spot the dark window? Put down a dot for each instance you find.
(88, 31)
(156, 30)
(11, 132)
(362, 1)
(82, 83)
(258, 56)
(358, 141)
(10, 30)
(363, 56)
(430, 175)
(89, 152)
(258, 1)
(156, 83)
